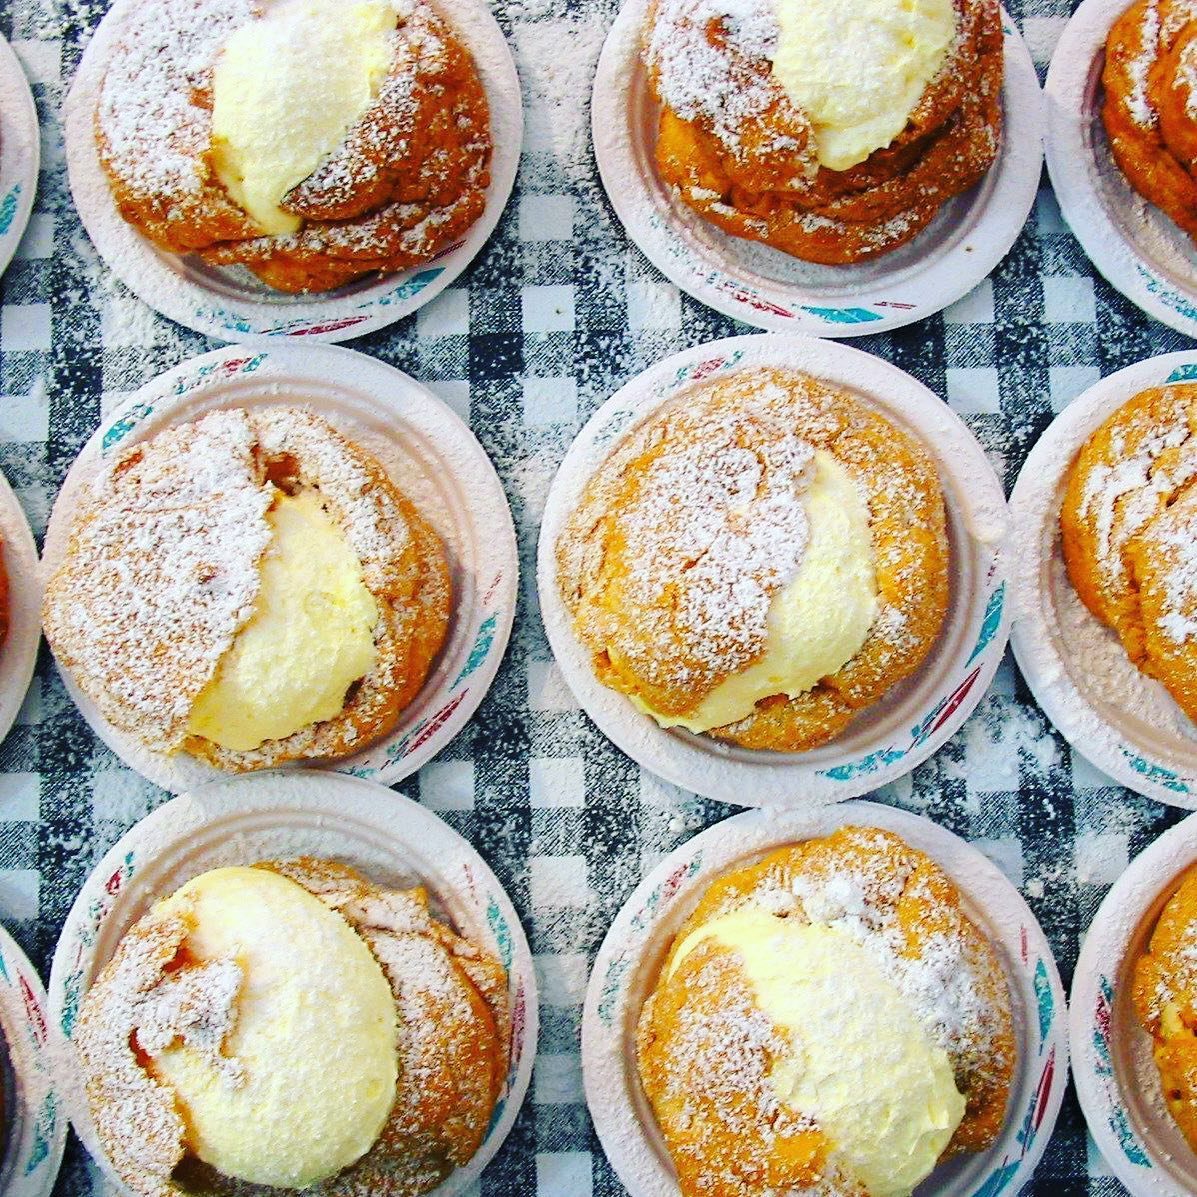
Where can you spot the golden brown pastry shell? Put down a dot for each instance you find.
(785, 198)
(1125, 585)
(901, 487)
(405, 185)
(731, 1152)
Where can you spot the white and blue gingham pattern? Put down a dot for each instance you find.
(557, 312)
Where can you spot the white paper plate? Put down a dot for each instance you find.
(1116, 1078)
(390, 839)
(20, 153)
(917, 716)
(32, 1152)
(18, 653)
(1134, 245)
(630, 959)
(1112, 714)
(772, 290)
(431, 456)
(230, 304)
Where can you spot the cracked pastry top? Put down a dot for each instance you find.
(291, 1025)
(250, 588)
(311, 141)
(761, 559)
(827, 1022)
(832, 132)
(1149, 105)
(1129, 533)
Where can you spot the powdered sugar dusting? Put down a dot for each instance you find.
(1176, 976)
(731, 520)
(944, 983)
(697, 76)
(1138, 101)
(949, 987)
(162, 569)
(161, 573)
(880, 234)
(1177, 541)
(198, 1006)
(1122, 498)
(1186, 76)
(146, 112)
(868, 886)
(152, 994)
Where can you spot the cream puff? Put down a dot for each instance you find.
(250, 588)
(759, 560)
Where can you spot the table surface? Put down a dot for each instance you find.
(556, 313)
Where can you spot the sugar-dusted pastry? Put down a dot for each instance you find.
(1149, 79)
(760, 559)
(312, 141)
(1129, 527)
(251, 588)
(1165, 997)
(292, 1026)
(827, 1021)
(832, 131)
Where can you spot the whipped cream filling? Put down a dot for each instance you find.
(286, 89)
(818, 622)
(860, 1065)
(311, 635)
(309, 1068)
(859, 70)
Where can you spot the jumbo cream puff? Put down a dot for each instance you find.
(759, 560)
(1129, 533)
(834, 132)
(827, 1020)
(311, 141)
(250, 588)
(292, 1026)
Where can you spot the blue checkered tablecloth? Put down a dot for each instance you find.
(556, 313)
